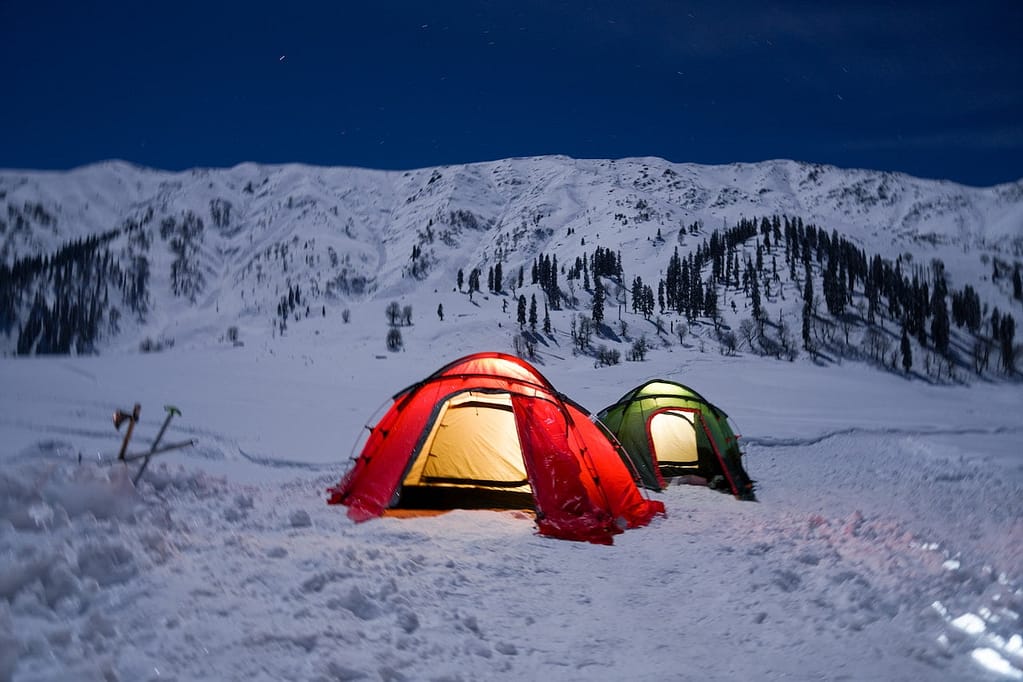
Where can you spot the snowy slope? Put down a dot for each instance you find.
(345, 235)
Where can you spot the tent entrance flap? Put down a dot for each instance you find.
(471, 457)
(673, 440)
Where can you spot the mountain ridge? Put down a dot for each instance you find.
(227, 244)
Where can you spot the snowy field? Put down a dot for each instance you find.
(887, 543)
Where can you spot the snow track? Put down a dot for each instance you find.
(769, 442)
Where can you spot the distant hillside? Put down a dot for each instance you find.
(113, 256)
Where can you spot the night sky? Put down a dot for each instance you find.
(928, 88)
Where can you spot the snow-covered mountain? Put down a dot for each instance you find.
(195, 253)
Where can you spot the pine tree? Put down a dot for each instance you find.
(907, 352)
(807, 314)
(671, 281)
(710, 303)
(1007, 338)
(598, 300)
(498, 278)
(637, 294)
(940, 327)
(440, 311)
(917, 307)
(758, 313)
(684, 291)
(834, 288)
(522, 311)
(696, 297)
(546, 320)
(532, 312)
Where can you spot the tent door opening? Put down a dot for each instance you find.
(674, 442)
(471, 458)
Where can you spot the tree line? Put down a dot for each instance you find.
(65, 298)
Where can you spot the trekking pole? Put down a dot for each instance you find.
(171, 411)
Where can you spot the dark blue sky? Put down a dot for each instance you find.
(929, 88)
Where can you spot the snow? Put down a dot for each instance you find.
(886, 543)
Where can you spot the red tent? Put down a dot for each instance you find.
(489, 430)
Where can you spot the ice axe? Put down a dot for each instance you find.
(121, 416)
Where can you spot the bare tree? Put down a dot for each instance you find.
(729, 342)
(524, 345)
(607, 356)
(981, 354)
(845, 321)
(583, 332)
(786, 340)
(748, 332)
(394, 340)
(393, 313)
(823, 329)
(639, 349)
(876, 344)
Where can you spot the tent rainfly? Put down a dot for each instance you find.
(669, 430)
(488, 430)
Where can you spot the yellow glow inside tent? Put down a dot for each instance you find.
(674, 437)
(474, 443)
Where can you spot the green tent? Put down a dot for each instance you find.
(670, 431)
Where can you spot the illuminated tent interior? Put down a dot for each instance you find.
(669, 431)
(489, 431)
(470, 457)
